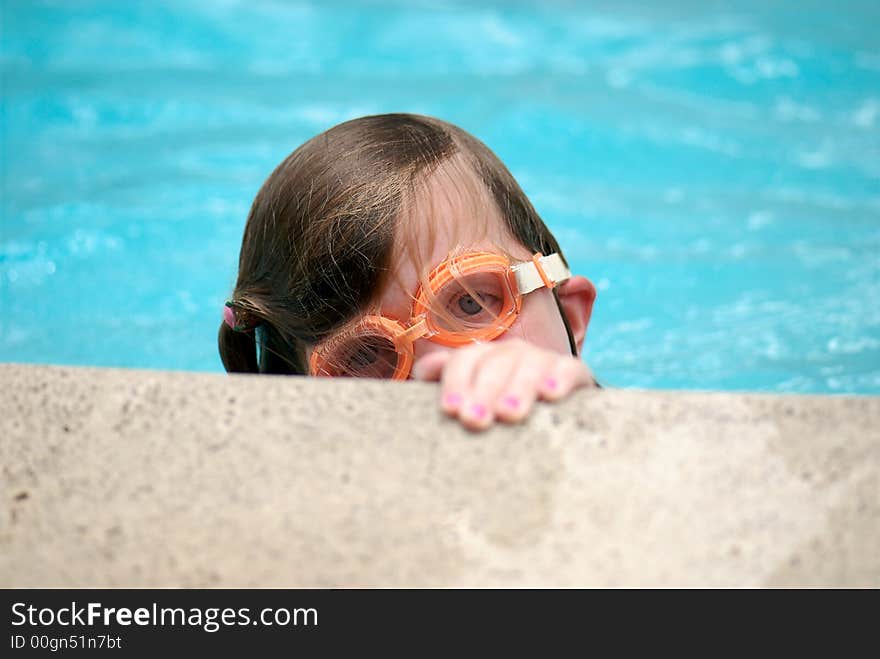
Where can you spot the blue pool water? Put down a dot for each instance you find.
(714, 170)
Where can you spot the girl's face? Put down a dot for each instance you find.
(459, 225)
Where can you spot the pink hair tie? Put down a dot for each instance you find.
(229, 316)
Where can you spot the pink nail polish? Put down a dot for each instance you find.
(512, 402)
(478, 410)
(452, 400)
(551, 383)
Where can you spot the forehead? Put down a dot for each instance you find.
(449, 212)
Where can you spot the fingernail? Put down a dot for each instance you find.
(551, 383)
(479, 411)
(452, 400)
(511, 401)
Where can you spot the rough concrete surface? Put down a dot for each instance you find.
(114, 477)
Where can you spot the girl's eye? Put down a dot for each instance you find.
(366, 357)
(470, 307)
(363, 357)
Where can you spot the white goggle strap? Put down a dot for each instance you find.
(529, 279)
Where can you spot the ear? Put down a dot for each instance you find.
(576, 295)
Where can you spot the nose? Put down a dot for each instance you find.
(424, 347)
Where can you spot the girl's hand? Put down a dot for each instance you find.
(500, 380)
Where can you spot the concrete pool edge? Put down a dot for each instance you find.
(116, 477)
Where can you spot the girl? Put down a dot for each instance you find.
(399, 246)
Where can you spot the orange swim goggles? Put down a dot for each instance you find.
(471, 297)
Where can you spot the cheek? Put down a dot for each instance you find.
(540, 323)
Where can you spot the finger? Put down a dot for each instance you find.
(457, 380)
(566, 375)
(430, 368)
(519, 395)
(491, 377)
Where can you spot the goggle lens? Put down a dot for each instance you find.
(370, 355)
(471, 304)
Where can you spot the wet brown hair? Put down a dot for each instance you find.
(318, 245)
